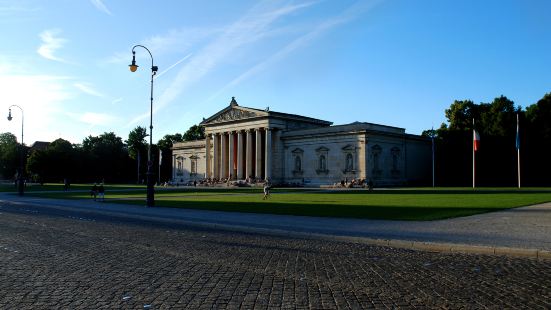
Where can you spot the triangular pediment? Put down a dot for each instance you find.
(233, 112)
(349, 147)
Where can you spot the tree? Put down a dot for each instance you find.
(168, 141)
(55, 163)
(536, 142)
(496, 117)
(430, 133)
(136, 142)
(539, 116)
(107, 157)
(37, 165)
(8, 154)
(137, 146)
(195, 132)
(460, 115)
(496, 158)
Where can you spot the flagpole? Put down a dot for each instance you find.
(160, 159)
(432, 136)
(473, 155)
(518, 167)
(517, 142)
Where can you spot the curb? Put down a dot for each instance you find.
(435, 247)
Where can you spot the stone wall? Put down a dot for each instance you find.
(386, 162)
(418, 160)
(322, 159)
(189, 161)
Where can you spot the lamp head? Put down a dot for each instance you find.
(9, 116)
(133, 66)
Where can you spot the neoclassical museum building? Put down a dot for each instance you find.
(244, 143)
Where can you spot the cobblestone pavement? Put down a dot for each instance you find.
(70, 260)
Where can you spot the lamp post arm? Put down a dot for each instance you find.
(152, 66)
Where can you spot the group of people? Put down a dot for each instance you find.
(216, 182)
(355, 183)
(98, 192)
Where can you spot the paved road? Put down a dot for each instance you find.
(520, 228)
(61, 257)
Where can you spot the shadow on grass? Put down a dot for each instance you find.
(443, 191)
(328, 210)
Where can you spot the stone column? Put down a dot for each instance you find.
(240, 155)
(216, 156)
(224, 156)
(207, 159)
(249, 159)
(268, 155)
(231, 173)
(173, 168)
(258, 164)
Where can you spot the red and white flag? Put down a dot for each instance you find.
(476, 140)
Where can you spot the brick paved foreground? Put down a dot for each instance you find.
(73, 261)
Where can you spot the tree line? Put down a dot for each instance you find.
(496, 159)
(108, 158)
(103, 158)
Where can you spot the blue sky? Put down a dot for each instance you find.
(394, 62)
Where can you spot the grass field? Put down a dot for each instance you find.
(395, 204)
(52, 187)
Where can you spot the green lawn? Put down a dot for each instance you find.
(59, 187)
(396, 204)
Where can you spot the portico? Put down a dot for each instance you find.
(240, 154)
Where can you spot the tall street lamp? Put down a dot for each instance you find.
(20, 177)
(133, 67)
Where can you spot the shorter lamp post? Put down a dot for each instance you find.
(20, 176)
(150, 189)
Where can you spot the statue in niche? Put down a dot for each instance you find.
(349, 162)
(298, 163)
(395, 152)
(323, 163)
(180, 166)
(376, 153)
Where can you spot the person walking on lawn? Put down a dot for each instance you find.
(266, 190)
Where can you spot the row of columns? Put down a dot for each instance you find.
(234, 156)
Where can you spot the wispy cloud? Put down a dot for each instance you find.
(351, 13)
(176, 41)
(96, 119)
(50, 44)
(250, 28)
(115, 101)
(118, 57)
(11, 13)
(180, 40)
(88, 89)
(10, 9)
(172, 66)
(101, 6)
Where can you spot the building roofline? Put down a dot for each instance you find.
(266, 113)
